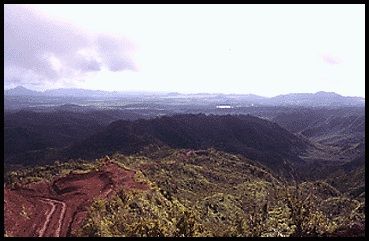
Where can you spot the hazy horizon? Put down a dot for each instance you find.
(265, 50)
(184, 93)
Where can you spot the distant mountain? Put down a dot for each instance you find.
(75, 92)
(20, 90)
(79, 92)
(320, 98)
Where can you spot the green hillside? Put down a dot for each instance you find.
(209, 193)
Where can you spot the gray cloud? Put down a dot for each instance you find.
(115, 52)
(39, 49)
(91, 65)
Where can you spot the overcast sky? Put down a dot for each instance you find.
(261, 49)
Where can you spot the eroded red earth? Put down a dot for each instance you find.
(58, 208)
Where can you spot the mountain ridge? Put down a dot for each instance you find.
(253, 137)
(320, 98)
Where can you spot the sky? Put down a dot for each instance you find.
(260, 49)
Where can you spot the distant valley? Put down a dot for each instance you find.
(29, 98)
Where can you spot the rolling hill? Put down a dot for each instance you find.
(250, 136)
(28, 134)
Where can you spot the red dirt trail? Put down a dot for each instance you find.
(58, 208)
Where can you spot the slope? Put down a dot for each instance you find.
(255, 138)
(175, 192)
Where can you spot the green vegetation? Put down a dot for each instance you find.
(211, 193)
(28, 175)
(351, 184)
(139, 214)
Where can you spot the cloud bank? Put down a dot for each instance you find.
(38, 49)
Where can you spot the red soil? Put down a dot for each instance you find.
(58, 208)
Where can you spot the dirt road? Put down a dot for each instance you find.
(55, 204)
(58, 208)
